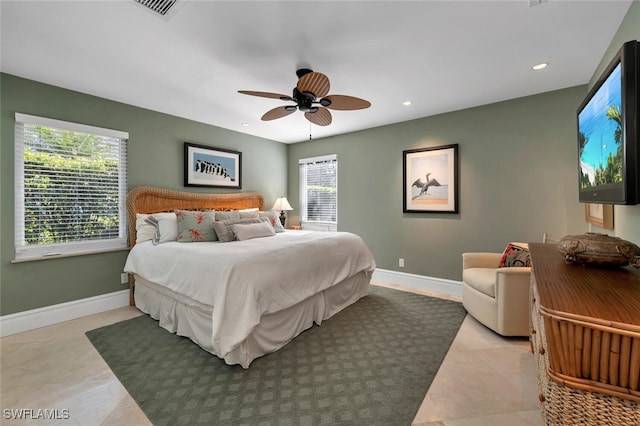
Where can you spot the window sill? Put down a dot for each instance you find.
(319, 226)
(61, 255)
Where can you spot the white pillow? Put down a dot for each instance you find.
(224, 231)
(166, 227)
(144, 231)
(271, 215)
(247, 231)
(253, 209)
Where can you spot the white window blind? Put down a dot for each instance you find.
(319, 192)
(71, 188)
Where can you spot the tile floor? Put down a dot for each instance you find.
(484, 380)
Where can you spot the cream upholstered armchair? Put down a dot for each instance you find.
(496, 296)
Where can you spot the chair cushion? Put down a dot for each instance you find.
(481, 279)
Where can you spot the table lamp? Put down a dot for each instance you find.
(282, 204)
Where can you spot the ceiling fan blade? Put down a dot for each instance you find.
(314, 82)
(322, 117)
(278, 112)
(346, 103)
(266, 95)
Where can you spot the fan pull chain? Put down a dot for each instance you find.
(309, 130)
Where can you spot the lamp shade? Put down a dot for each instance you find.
(282, 204)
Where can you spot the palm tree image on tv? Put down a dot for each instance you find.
(600, 135)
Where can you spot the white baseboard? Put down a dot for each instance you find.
(49, 315)
(421, 282)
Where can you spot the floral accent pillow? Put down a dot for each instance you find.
(194, 226)
(231, 214)
(515, 254)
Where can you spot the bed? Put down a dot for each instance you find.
(243, 299)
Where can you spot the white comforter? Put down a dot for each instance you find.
(243, 280)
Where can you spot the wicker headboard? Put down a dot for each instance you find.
(149, 199)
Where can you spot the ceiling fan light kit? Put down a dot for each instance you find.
(310, 96)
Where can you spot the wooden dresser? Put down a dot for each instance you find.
(585, 334)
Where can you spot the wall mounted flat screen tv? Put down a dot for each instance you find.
(609, 133)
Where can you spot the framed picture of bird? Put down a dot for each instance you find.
(430, 179)
(214, 167)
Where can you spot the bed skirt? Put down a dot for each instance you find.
(192, 319)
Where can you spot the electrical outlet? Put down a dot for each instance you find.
(124, 278)
(401, 262)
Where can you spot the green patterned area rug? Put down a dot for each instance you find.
(370, 364)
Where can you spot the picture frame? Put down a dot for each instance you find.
(600, 215)
(212, 167)
(436, 167)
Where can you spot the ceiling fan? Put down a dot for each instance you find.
(310, 96)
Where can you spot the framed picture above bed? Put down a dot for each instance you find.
(214, 167)
(430, 180)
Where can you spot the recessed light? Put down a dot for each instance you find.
(540, 66)
(406, 103)
(245, 124)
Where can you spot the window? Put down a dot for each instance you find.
(319, 193)
(71, 188)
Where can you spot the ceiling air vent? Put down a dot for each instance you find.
(164, 8)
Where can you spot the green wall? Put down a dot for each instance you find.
(626, 218)
(518, 178)
(517, 164)
(155, 157)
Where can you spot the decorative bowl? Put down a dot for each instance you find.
(596, 249)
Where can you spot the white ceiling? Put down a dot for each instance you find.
(441, 55)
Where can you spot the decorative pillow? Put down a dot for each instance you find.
(144, 231)
(247, 231)
(225, 231)
(231, 214)
(249, 214)
(195, 226)
(252, 209)
(273, 217)
(166, 227)
(515, 254)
